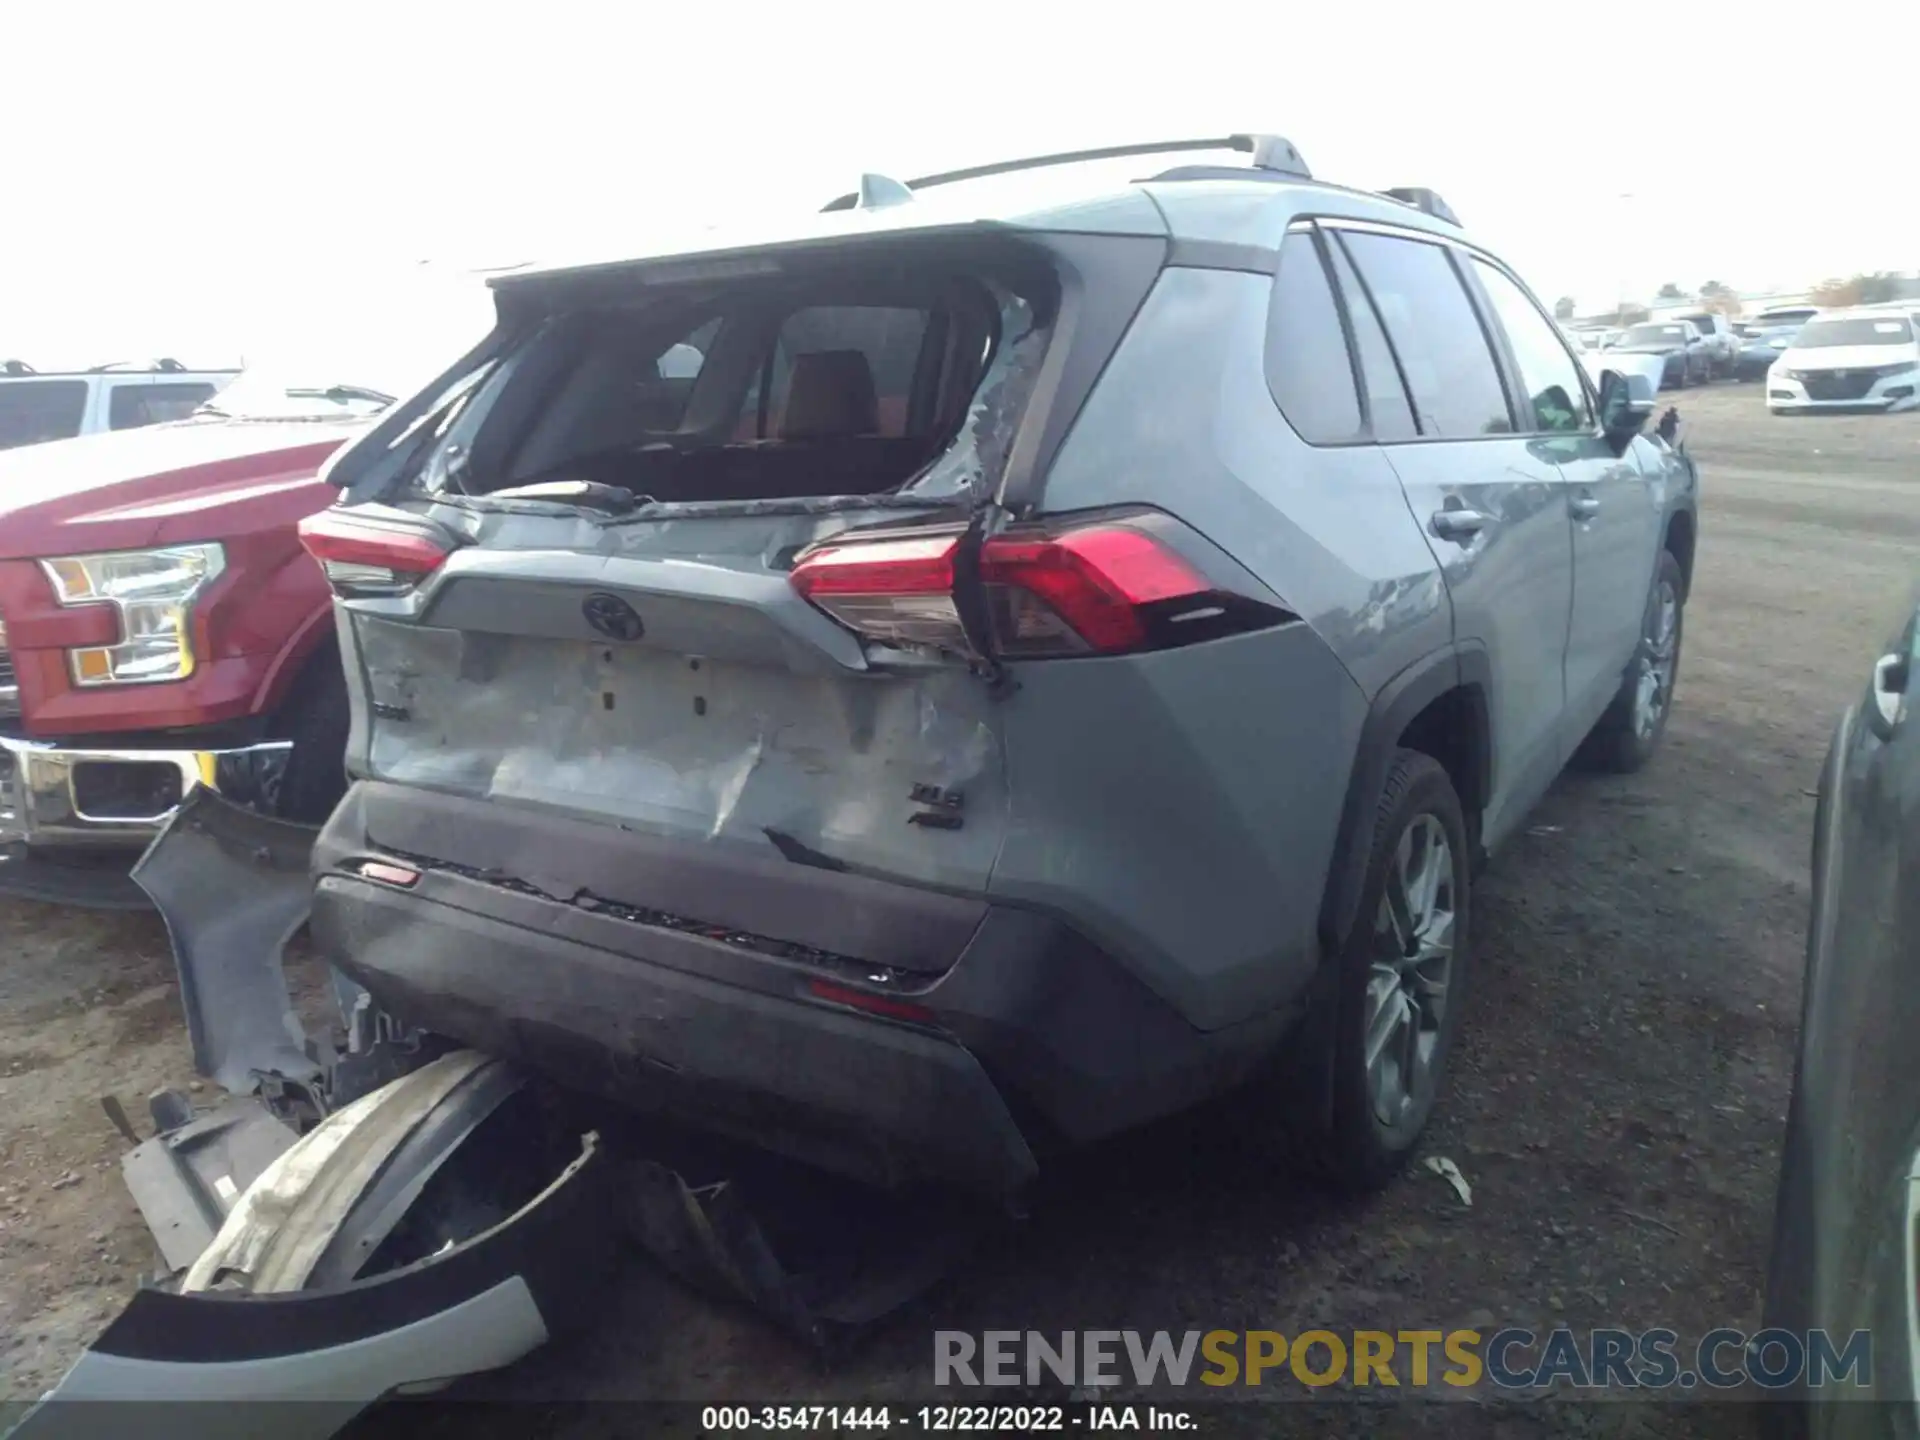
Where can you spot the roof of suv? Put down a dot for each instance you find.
(1248, 205)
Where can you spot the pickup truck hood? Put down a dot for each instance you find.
(156, 485)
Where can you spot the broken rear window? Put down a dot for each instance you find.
(849, 383)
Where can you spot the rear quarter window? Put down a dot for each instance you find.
(1308, 368)
(35, 410)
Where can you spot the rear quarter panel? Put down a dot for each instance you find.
(1215, 775)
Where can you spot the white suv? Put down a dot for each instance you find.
(60, 405)
(1866, 358)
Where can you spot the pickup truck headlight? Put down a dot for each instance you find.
(154, 591)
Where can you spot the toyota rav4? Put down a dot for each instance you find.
(945, 682)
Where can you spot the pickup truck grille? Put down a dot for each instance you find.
(1838, 384)
(9, 688)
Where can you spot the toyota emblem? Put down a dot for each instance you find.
(612, 616)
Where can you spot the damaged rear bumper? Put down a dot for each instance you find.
(1031, 1037)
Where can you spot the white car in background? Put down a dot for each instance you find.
(57, 405)
(1627, 363)
(1865, 359)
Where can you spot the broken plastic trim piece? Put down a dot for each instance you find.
(474, 1305)
(232, 886)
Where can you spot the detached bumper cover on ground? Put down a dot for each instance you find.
(337, 1200)
(429, 1226)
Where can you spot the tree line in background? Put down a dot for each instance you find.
(1874, 289)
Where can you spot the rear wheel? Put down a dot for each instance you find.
(1395, 1003)
(1625, 737)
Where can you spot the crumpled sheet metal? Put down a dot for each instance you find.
(233, 886)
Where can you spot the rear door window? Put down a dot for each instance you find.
(1442, 350)
(1387, 404)
(35, 410)
(1308, 368)
(134, 405)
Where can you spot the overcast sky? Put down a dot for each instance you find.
(210, 180)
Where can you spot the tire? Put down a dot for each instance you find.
(1362, 1138)
(314, 716)
(1625, 737)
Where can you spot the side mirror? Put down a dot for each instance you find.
(1626, 404)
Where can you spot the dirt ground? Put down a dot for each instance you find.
(1616, 1102)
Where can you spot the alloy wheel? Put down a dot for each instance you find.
(1410, 970)
(1659, 652)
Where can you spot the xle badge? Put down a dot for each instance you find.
(612, 616)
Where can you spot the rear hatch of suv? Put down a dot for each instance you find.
(715, 555)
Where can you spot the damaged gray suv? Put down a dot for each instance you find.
(946, 683)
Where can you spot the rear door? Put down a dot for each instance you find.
(1493, 501)
(1614, 510)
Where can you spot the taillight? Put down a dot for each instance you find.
(1099, 589)
(364, 556)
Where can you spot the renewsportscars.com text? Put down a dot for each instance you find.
(1509, 1358)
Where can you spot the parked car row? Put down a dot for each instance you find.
(1862, 359)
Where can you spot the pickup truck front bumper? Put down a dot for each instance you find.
(59, 796)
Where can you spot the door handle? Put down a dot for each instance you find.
(1584, 507)
(1456, 524)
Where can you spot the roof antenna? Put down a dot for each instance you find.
(879, 191)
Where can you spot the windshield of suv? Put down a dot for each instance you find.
(1859, 330)
(1654, 335)
(1782, 319)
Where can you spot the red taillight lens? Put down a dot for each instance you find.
(369, 557)
(1103, 589)
(1097, 581)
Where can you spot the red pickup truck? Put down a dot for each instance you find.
(160, 627)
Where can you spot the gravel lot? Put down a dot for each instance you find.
(1616, 1103)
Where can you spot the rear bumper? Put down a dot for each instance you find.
(1029, 1039)
(68, 796)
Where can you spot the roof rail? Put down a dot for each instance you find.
(1269, 152)
(1423, 200)
(165, 365)
(16, 367)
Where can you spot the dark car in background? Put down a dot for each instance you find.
(1680, 345)
(1844, 1251)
